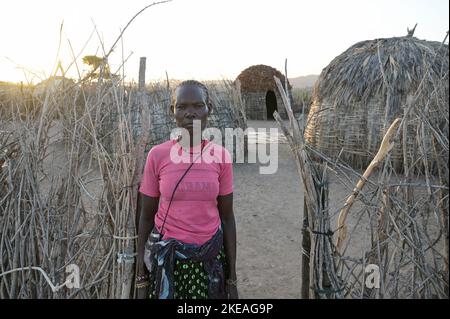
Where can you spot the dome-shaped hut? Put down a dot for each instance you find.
(260, 93)
(362, 90)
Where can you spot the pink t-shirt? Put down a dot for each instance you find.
(193, 216)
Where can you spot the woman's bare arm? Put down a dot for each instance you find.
(225, 206)
(148, 208)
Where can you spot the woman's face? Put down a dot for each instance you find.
(190, 104)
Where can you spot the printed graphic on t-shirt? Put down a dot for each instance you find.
(202, 187)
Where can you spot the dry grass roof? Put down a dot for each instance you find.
(259, 78)
(357, 74)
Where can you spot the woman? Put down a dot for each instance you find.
(187, 233)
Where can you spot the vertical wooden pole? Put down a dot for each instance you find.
(133, 218)
(142, 68)
(139, 154)
(306, 250)
(142, 64)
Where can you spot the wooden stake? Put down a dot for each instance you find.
(142, 63)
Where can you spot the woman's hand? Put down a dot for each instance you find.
(231, 289)
(148, 208)
(142, 293)
(225, 205)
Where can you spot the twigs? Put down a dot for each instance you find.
(54, 288)
(319, 277)
(69, 176)
(61, 193)
(385, 147)
(398, 225)
(128, 24)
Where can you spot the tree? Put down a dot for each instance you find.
(100, 67)
(94, 61)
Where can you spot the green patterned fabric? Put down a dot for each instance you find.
(191, 281)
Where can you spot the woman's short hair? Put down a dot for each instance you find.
(194, 83)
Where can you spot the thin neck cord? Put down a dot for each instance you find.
(176, 186)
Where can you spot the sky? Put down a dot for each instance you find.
(202, 39)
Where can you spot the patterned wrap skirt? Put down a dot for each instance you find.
(190, 279)
(186, 271)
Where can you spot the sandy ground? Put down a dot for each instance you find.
(268, 210)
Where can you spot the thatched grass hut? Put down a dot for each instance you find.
(259, 92)
(366, 87)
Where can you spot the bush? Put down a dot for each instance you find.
(302, 99)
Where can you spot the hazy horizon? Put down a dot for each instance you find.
(205, 40)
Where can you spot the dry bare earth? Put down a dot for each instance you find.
(269, 217)
(268, 210)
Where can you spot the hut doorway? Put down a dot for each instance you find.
(271, 104)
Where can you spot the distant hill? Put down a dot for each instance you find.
(302, 82)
